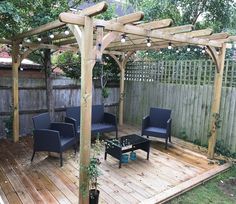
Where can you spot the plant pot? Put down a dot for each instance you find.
(93, 196)
(133, 156)
(124, 158)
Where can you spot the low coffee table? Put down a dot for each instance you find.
(125, 144)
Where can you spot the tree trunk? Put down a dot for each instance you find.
(48, 81)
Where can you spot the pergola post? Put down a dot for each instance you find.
(87, 62)
(15, 95)
(122, 64)
(220, 61)
(122, 88)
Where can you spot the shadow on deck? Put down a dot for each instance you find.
(168, 173)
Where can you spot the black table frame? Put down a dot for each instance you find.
(133, 142)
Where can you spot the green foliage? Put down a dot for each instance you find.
(183, 134)
(159, 10)
(105, 92)
(70, 63)
(197, 142)
(222, 148)
(211, 191)
(109, 69)
(220, 15)
(108, 14)
(18, 15)
(93, 170)
(9, 124)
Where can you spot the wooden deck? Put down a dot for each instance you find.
(168, 173)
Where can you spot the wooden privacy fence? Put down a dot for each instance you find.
(32, 100)
(186, 87)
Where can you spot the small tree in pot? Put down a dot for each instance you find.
(94, 172)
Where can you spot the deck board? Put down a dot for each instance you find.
(167, 173)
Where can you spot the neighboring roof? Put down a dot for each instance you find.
(6, 62)
(58, 71)
(4, 54)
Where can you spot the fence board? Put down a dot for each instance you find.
(32, 100)
(187, 88)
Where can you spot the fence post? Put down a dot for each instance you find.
(216, 101)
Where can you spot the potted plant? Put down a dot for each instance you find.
(94, 172)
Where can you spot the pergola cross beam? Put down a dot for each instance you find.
(131, 29)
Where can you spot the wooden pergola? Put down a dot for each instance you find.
(95, 37)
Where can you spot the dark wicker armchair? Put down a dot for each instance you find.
(158, 124)
(52, 137)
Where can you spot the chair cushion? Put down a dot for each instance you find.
(67, 142)
(102, 127)
(154, 131)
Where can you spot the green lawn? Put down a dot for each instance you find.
(220, 190)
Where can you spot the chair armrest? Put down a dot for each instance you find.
(72, 121)
(47, 140)
(65, 129)
(110, 118)
(169, 121)
(145, 122)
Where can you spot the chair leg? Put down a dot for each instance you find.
(116, 134)
(170, 138)
(166, 143)
(61, 159)
(75, 148)
(32, 158)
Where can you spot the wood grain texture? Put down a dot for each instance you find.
(167, 173)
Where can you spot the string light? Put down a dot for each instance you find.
(39, 39)
(67, 32)
(28, 40)
(170, 46)
(73, 10)
(195, 49)
(149, 42)
(123, 38)
(203, 50)
(188, 48)
(160, 52)
(51, 36)
(21, 69)
(177, 51)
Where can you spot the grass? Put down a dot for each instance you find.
(220, 190)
